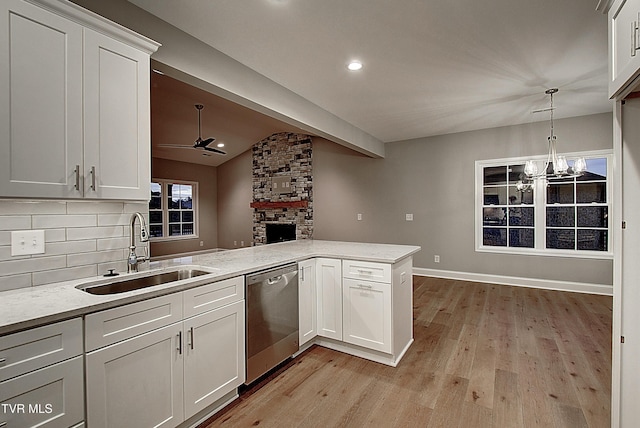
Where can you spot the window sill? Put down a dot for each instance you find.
(548, 253)
(173, 238)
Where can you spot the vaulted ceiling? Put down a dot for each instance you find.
(430, 67)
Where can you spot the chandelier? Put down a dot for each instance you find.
(556, 166)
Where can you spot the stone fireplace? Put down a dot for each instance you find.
(282, 186)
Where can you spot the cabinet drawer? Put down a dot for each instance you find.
(113, 325)
(39, 347)
(51, 397)
(211, 296)
(369, 271)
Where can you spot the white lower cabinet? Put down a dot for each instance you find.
(41, 376)
(307, 306)
(329, 295)
(137, 382)
(214, 356)
(51, 397)
(366, 312)
(163, 377)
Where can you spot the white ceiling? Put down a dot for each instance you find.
(430, 67)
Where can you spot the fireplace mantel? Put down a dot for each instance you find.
(279, 204)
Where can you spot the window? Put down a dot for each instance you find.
(172, 209)
(567, 217)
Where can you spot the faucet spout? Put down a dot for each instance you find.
(134, 259)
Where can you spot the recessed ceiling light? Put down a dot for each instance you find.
(354, 65)
(220, 144)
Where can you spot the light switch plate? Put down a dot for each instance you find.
(25, 242)
(409, 217)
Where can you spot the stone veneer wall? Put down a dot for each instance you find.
(289, 155)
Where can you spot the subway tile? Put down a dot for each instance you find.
(57, 221)
(66, 274)
(94, 258)
(136, 207)
(94, 207)
(13, 267)
(113, 219)
(118, 266)
(5, 254)
(68, 247)
(112, 243)
(15, 281)
(79, 233)
(15, 222)
(54, 235)
(11, 207)
(5, 237)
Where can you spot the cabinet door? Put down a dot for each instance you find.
(38, 347)
(329, 289)
(307, 301)
(367, 314)
(117, 141)
(40, 102)
(50, 397)
(214, 364)
(137, 382)
(624, 41)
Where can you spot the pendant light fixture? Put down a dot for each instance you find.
(556, 166)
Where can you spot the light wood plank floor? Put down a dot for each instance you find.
(484, 356)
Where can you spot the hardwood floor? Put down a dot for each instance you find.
(484, 356)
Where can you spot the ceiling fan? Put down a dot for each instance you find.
(199, 143)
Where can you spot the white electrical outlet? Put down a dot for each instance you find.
(235, 243)
(242, 243)
(436, 259)
(359, 216)
(202, 243)
(403, 277)
(27, 242)
(409, 217)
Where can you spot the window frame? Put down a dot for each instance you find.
(540, 210)
(164, 183)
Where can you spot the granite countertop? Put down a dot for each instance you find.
(26, 308)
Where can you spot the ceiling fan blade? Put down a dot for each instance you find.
(175, 146)
(200, 143)
(211, 149)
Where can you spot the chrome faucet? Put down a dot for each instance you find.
(134, 259)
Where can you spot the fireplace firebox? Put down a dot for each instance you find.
(280, 232)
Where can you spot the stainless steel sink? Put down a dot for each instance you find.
(122, 285)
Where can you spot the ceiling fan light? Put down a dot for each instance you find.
(354, 65)
(220, 144)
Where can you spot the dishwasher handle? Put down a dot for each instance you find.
(274, 280)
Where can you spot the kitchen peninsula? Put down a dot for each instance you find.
(353, 297)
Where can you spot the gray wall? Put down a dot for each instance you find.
(206, 177)
(235, 193)
(434, 179)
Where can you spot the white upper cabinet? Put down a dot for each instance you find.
(117, 149)
(74, 104)
(40, 102)
(624, 45)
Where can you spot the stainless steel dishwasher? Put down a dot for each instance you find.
(272, 319)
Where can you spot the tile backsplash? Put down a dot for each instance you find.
(82, 239)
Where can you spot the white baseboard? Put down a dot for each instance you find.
(547, 284)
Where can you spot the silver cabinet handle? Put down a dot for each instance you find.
(365, 285)
(2, 363)
(179, 342)
(93, 178)
(77, 173)
(3, 424)
(191, 334)
(370, 272)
